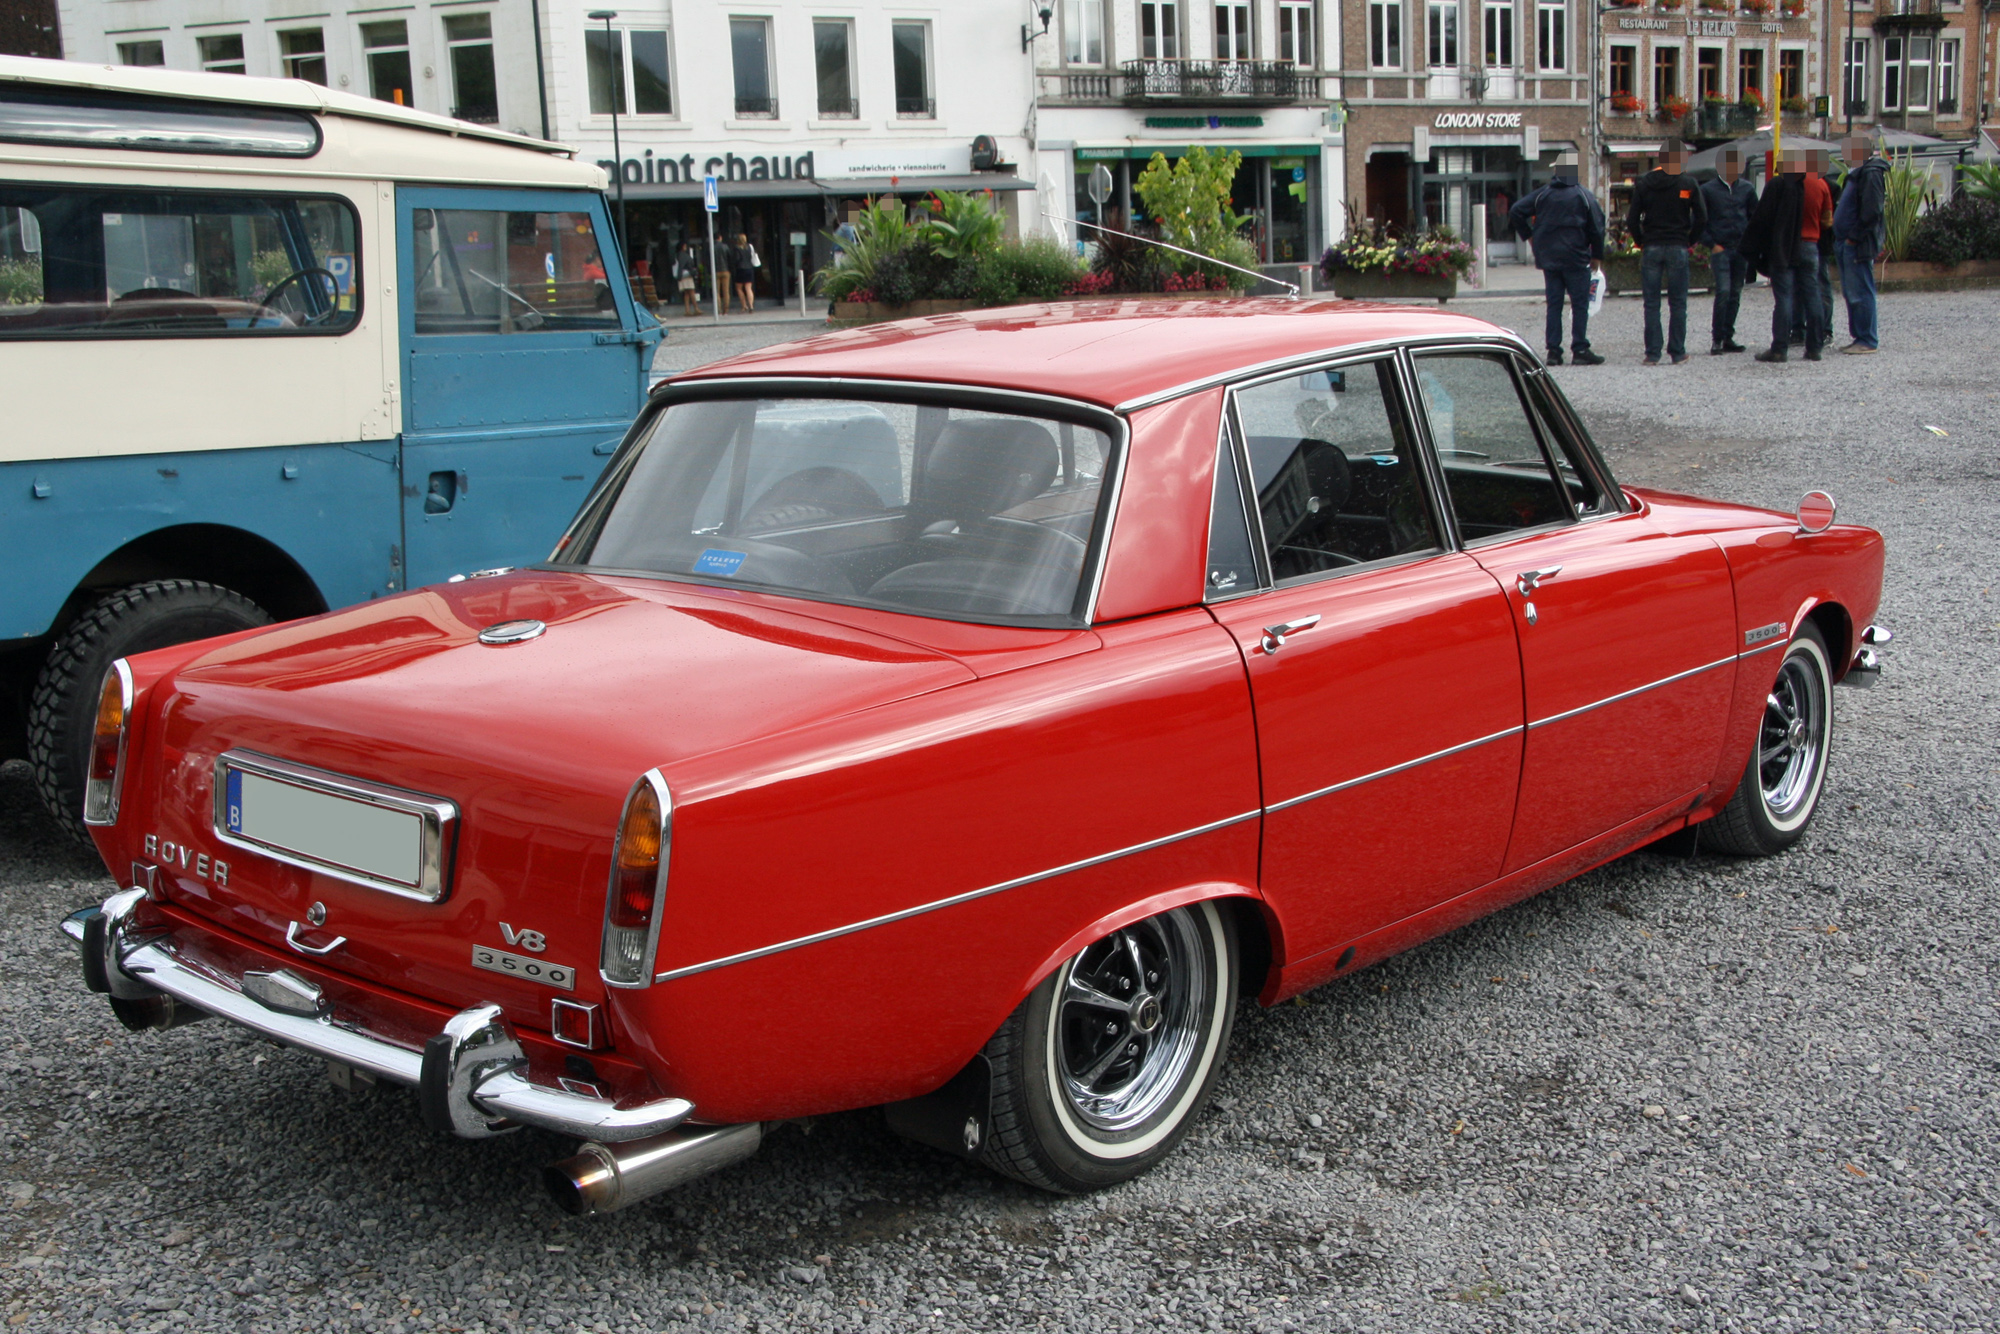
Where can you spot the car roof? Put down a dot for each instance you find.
(1110, 352)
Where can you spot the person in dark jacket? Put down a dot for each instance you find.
(1566, 227)
(1667, 220)
(1857, 238)
(1773, 245)
(1730, 200)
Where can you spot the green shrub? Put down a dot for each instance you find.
(20, 281)
(1965, 228)
(1037, 269)
(1981, 180)
(964, 225)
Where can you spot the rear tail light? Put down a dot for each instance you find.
(638, 883)
(105, 772)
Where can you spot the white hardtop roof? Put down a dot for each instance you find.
(245, 90)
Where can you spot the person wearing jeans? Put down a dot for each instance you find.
(1857, 237)
(1730, 200)
(1566, 227)
(1795, 298)
(1665, 267)
(1667, 218)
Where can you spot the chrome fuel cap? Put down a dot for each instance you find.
(512, 632)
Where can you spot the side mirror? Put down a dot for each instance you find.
(1816, 512)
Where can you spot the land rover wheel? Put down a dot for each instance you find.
(1102, 1070)
(131, 620)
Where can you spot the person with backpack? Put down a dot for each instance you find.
(1566, 228)
(1667, 219)
(1857, 238)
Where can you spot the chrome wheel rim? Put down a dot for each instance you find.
(1130, 1014)
(1792, 741)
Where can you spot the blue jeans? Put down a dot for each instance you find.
(1668, 265)
(1574, 283)
(1730, 269)
(1797, 289)
(1857, 285)
(1823, 273)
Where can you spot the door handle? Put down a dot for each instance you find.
(1275, 635)
(1529, 580)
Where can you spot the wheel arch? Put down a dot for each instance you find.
(231, 557)
(1257, 931)
(1835, 626)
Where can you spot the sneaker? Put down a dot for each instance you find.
(1731, 345)
(1589, 358)
(1858, 350)
(1681, 360)
(1552, 357)
(1772, 354)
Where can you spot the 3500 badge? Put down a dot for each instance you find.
(519, 965)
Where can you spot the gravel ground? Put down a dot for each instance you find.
(1679, 1093)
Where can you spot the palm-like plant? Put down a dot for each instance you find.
(880, 231)
(1981, 180)
(1905, 194)
(964, 225)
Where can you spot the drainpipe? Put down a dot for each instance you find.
(541, 73)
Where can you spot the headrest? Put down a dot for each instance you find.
(985, 466)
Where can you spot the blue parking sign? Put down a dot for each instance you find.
(708, 194)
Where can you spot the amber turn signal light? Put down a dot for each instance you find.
(638, 878)
(105, 773)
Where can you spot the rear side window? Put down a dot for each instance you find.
(491, 271)
(81, 262)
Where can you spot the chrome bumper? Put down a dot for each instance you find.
(1866, 668)
(471, 1079)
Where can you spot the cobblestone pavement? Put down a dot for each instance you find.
(1682, 1092)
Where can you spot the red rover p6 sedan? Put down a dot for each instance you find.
(963, 716)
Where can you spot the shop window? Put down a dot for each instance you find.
(1624, 80)
(912, 50)
(1083, 32)
(1232, 32)
(388, 49)
(166, 263)
(1947, 76)
(1791, 75)
(1750, 71)
(1917, 83)
(1385, 34)
(1159, 29)
(1708, 72)
(833, 66)
(142, 53)
(1442, 30)
(468, 39)
(1552, 36)
(1666, 74)
(486, 272)
(223, 54)
(302, 52)
(1499, 36)
(1854, 77)
(1295, 32)
(1892, 74)
(750, 60)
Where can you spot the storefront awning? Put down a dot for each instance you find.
(814, 187)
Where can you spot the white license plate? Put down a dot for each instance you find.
(315, 824)
(520, 965)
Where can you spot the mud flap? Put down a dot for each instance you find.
(955, 1118)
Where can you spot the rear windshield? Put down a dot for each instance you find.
(959, 512)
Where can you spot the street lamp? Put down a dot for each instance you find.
(617, 81)
(1028, 35)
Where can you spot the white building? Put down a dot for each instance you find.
(800, 109)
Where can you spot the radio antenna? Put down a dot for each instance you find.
(1192, 254)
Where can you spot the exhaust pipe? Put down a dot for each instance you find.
(606, 1177)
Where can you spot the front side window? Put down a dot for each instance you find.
(222, 54)
(303, 54)
(468, 38)
(1334, 473)
(750, 61)
(912, 51)
(160, 263)
(1385, 34)
(1442, 32)
(1295, 33)
(1232, 32)
(387, 46)
(1496, 473)
(489, 271)
(1552, 36)
(142, 53)
(833, 62)
(1159, 29)
(945, 509)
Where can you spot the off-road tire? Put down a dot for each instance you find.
(132, 620)
(1034, 1140)
(1754, 824)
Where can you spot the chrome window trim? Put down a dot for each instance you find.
(1304, 360)
(689, 388)
(1229, 437)
(438, 817)
(664, 795)
(1571, 427)
(903, 914)
(1514, 372)
(117, 784)
(1635, 690)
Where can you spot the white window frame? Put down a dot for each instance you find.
(1497, 35)
(1779, 93)
(1385, 34)
(237, 64)
(1946, 76)
(1235, 30)
(1854, 74)
(126, 50)
(1659, 97)
(1441, 35)
(1298, 29)
(1078, 19)
(770, 67)
(1920, 51)
(1552, 36)
(853, 82)
(1611, 66)
(629, 102)
(1166, 19)
(448, 66)
(930, 68)
(1892, 73)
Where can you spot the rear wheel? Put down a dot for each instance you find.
(131, 620)
(1103, 1069)
(1787, 770)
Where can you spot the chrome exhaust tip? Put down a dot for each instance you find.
(602, 1178)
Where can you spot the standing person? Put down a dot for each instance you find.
(1667, 219)
(743, 265)
(1775, 243)
(1815, 164)
(1730, 200)
(687, 277)
(1566, 228)
(1857, 237)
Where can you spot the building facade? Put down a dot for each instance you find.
(1914, 65)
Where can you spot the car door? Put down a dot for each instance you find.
(1625, 629)
(1382, 664)
(523, 362)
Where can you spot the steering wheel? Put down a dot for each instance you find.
(270, 297)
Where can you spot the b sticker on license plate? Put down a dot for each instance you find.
(520, 965)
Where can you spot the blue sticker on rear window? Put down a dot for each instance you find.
(713, 561)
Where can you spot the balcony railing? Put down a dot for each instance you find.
(484, 115)
(916, 108)
(833, 108)
(1726, 120)
(757, 108)
(1238, 81)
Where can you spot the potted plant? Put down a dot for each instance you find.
(1718, 6)
(1795, 106)
(1372, 264)
(1671, 6)
(1794, 8)
(1759, 6)
(1625, 104)
(1672, 109)
(1622, 271)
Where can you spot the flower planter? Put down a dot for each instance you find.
(1916, 276)
(1622, 275)
(1350, 285)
